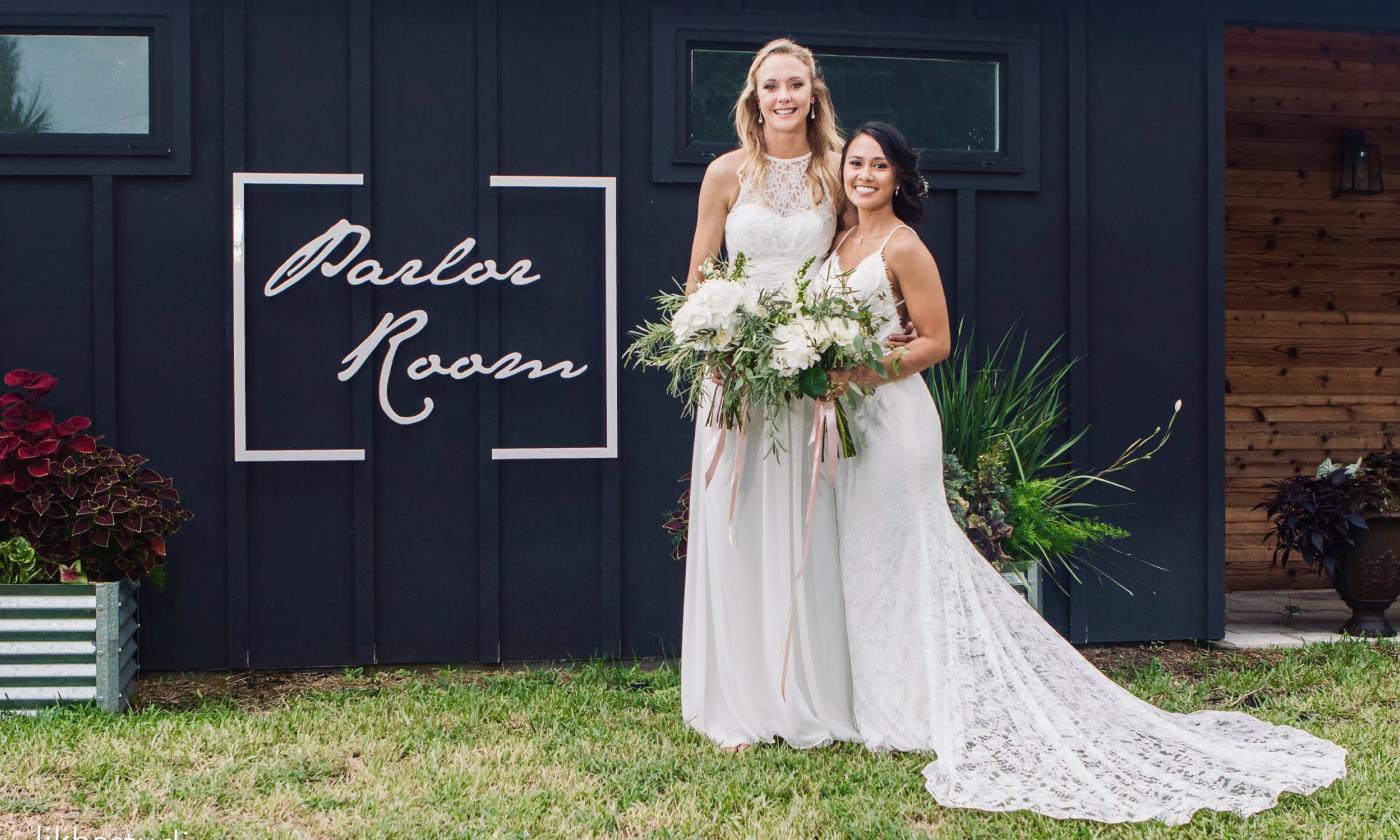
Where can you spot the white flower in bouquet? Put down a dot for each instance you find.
(794, 349)
(834, 332)
(843, 332)
(708, 319)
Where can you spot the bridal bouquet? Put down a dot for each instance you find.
(828, 329)
(715, 334)
(763, 349)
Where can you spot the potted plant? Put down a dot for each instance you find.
(1344, 520)
(1006, 468)
(85, 524)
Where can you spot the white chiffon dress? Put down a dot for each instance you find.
(946, 657)
(737, 591)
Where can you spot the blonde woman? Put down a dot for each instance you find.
(776, 199)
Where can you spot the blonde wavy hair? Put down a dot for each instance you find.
(822, 134)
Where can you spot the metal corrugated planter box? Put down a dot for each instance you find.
(1024, 577)
(67, 643)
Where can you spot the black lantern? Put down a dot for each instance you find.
(1361, 164)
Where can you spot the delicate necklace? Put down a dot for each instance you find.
(860, 240)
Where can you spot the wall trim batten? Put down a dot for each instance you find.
(966, 300)
(610, 504)
(236, 474)
(1214, 403)
(1079, 324)
(362, 323)
(104, 309)
(488, 331)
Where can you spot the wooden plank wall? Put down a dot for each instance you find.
(1312, 277)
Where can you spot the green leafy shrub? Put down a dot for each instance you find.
(19, 562)
(1044, 530)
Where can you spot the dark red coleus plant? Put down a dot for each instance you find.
(76, 500)
(677, 522)
(30, 438)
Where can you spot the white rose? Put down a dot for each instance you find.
(749, 300)
(819, 334)
(707, 320)
(843, 331)
(794, 351)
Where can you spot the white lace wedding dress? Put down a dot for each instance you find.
(737, 592)
(946, 657)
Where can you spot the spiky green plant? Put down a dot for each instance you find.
(1011, 407)
(1009, 397)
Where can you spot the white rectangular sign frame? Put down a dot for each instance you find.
(241, 180)
(241, 452)
(608, 185)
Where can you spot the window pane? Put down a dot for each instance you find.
(941, 104)
(75, 84)
(716, 78)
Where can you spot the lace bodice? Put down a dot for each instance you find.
(871, 282)
(869, 279)
(776, 225)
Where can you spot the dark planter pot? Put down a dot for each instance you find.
(1369, 578)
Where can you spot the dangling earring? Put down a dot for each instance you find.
(760, 118)
(896, 190)
(812, 113)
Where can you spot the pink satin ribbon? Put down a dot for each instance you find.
(717, 447)
(824, 441)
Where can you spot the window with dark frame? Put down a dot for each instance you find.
(965, 92)
(64, 83)
(942, 103)
(89, 93)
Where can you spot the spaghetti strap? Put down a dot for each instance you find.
(892, 233)
(898, 298)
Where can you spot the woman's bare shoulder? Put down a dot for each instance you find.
(725, 166)
(905, 250)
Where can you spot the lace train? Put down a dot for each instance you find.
(946, 657)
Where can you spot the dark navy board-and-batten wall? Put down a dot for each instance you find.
(117, 280)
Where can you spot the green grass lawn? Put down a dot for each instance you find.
(600, 750)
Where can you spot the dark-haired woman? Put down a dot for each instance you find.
(945, 657)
